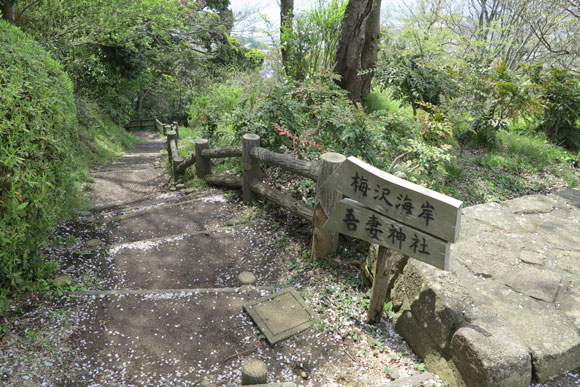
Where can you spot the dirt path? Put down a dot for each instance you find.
(156, 300)
(149, 295)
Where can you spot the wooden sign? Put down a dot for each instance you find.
(401, 200)
(353, 219)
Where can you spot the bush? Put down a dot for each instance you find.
(211, 107)
(297, 115)
(560, 96)
(37, 173)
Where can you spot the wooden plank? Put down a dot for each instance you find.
(174, 153)
(304, 168)
(285, 201)
(186, 164)
(225, 180)
(419, 207)
(222, 152)
(351, 218)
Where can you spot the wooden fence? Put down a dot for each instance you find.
(141, 123)
(252, 155)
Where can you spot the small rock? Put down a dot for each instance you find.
(180, 186)
(206, 382)
(84, 213)
(231, 384)
(395, 375)
(246, 278)
(172, 189)
(189, 191)
(94, 243)
(304, 375)
(401, 175)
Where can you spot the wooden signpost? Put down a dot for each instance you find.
(395, 214)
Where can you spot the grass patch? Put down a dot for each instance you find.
(378, 100)
(520, 164)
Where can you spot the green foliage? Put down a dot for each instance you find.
(211, 108)
(233, 56)
(100, 139)
(134, 56)
(413, 80)
(378, 100)
(312, 40)
(492, 98)
(301, 115)
(431, 150)
(37, 143)
(520, 164)
(560, 97)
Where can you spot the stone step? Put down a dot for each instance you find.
(209, 258)
(190, 216)
(185, 338)
(118, 207)
(119, 186)
(150, 204)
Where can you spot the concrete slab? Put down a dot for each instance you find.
(281, 315)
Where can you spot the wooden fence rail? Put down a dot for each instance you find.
(141, 123)
(252, 155)
(344, 214)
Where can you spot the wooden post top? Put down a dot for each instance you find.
(251, 136)
(333, 157)
(201, 141)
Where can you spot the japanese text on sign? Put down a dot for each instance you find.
(403, 201)
(351, 218)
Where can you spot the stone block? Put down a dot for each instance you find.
(435, 298)
(281, 315)
(490, 355)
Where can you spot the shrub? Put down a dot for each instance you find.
(315, 110)
(211, 107)
(560, 96)
(37, 140)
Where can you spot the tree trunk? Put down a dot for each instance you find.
(358, 46)
(7, 7)
(286, 20)
(371, 46)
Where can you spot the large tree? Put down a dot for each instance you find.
(286, 20)
(358, 46)
(7, 9)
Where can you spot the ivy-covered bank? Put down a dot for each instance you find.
(43, 155)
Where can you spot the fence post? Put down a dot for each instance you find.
(174, 158)
(202, 164)
(250, 167)
(175, 127)
(380, 285)
(325, 242)
(169, 135)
